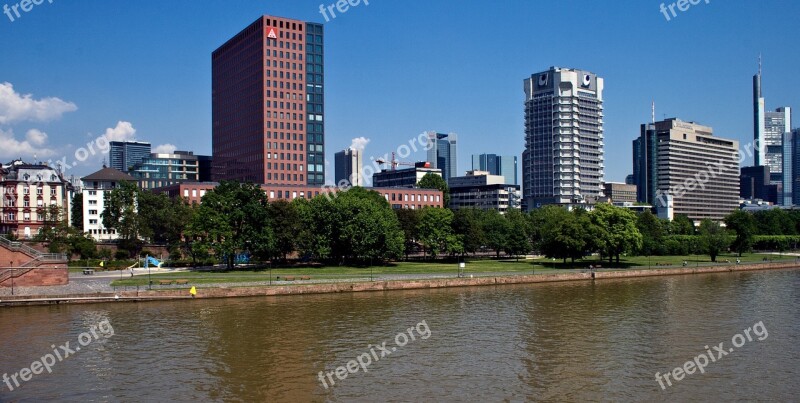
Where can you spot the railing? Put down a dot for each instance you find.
(37, 256)
(19, 246)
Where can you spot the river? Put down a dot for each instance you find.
(572, 341)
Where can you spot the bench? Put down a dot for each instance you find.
(88, 272)
(288, 278)
(305, 278)
(165, 282)
(181, 282)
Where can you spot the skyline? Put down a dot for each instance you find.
(164, 91)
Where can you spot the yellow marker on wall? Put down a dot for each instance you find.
(193, 291)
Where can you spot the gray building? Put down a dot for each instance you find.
(409, 177)
(349, 168)
(443, 153)
(693, 172)
(791, 168)
(768, 131)
(482, 190)
(123, 155)
(563, 158)
(620, 193)
(162, 169)
(504, 165)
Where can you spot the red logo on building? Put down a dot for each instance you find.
(272, 33)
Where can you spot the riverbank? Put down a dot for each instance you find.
(372, 286)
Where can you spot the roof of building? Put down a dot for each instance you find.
(109, 174)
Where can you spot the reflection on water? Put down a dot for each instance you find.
(568, 341)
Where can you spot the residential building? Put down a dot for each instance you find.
(349, 167)
(693, 172)
(161, 169)
(123, 155)
(563, 159)
(408, 177)
(443, 153)
(505, 165)
(268, 104)
(399, 198)
(95, 186)
(34, 195)
(620, 193)
(482, 190)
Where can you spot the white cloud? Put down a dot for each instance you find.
(359, 143)
(124, 131)
(165, 149)
(34, 144)
(16, 107)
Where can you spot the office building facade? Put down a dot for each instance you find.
(769, 128)
(161, 169)
(349, 168)
(504, 165)
(754, 183)
(95, 187)
(791, 168)
(620, 193)
(482, 190)
(407, 178)
(563, 158)
(268, 104)
(123, 155)
(696, 173)
(443, 153)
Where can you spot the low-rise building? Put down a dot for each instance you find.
(162, 169)
(95, 187)
(408, 177)
(34, 195)
(620, 192)
(481, 190)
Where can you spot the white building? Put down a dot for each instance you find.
(481, 190)
(95, 187)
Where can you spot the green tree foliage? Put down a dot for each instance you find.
(496, 230)
(285, 225)
(617, 232)
(121, 214)
(435, 230)
(744, 225)
(652, 230)
(409, 223)
(775, 222)
(233, 219)
(77, 211)
(564, 235)
(467, 225)
(433, 181)
(681, 225)
(713, 238)
(518, 241)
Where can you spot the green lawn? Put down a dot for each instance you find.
(476, 267)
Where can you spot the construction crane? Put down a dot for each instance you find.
(394, 163)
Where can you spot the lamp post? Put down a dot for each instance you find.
(12, 281)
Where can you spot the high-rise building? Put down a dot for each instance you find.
(267, 104)
(754, 182)
(768, 131)
(442, 153)
(791, 168)
(693, 172)
(349, 167)
(563, 158)
(645, 172)
(123, 155)
(504, 165)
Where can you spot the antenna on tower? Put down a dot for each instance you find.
(653, 107)
(759, 64)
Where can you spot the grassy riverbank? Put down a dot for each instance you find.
(428, 269)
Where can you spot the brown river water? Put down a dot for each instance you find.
(573, 341)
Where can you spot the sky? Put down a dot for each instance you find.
(71, 71)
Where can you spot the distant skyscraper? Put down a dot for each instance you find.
(267, 104)
(505, 165)
(791, 168)
(645, 172)
(442, 153)
(349, 167)
(754, 183)
(678, 156)
(768, 131)
(563, 158)
(123, 155)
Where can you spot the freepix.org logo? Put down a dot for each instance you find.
(272, 33)
(25, 5)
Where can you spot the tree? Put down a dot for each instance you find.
(682, 225)
(496, 229)
(233, 219)
(435, 229)
(370, 229)
(433, 181)
(285, 226)
(121, 215)
(652, 230)
(744, 225)
(564, 235)
(77, 211)
(55, 230)
(467, 224)
(518, 241)
(409, 223)
(713, 238)
(617, 232)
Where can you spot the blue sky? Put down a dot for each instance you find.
(393, 69)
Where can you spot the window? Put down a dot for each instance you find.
(93, 222)
(92, 193)
(92, 202)
(92, 212)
